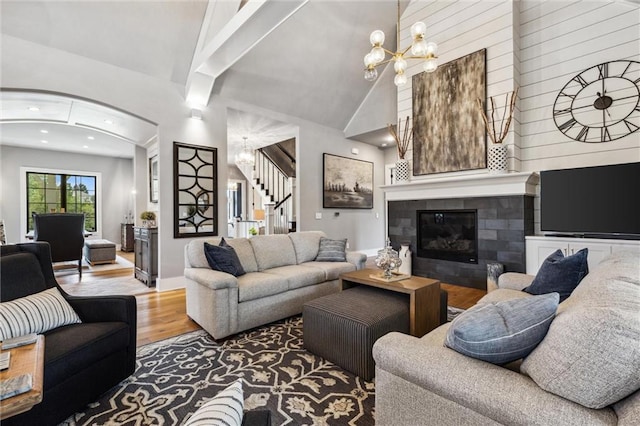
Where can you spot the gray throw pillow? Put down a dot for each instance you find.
(504, 331)
(560, 274)
(332, 250)
(223, 258)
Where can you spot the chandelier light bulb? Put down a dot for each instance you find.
(368, 60)
(377, 38)
(400, 79)
(419, 48)
(432, 49)
(430, 65)
(370, 74)
(377, 54)
(418, 30)
(400, 65)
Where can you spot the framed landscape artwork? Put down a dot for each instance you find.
(348, 183)
(448, 132)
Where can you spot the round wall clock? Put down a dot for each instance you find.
(600, 104)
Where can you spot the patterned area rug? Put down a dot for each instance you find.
(176, 376)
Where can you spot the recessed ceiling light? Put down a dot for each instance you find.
(43, 141)
(33, 108)
(90, 138)
(44, 131)
(85, 146)
(108, 121)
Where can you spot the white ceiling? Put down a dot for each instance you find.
(310, 66)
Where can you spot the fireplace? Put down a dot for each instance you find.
(448, 235)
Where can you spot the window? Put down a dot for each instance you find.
(56, 192)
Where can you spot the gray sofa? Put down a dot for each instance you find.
(584, 372)
(281, 275)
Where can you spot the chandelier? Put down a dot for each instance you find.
(420, 49)
(245, 157)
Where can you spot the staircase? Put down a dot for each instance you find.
(275, 185)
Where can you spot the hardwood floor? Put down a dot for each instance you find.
(163, 314)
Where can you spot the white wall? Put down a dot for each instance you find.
(117, 175)
(538, 46)
(29, 65)
(32, 66)
(559, 39)
(364, 230)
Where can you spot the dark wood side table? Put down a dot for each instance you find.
(146, 254)
(24, 359)
(424, 297)
(126, 237)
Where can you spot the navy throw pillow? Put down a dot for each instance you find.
(504, 331)
(223, 259)
(560, 274)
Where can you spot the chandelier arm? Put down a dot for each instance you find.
(406, 50)
(382, 63)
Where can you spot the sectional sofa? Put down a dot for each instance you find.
(281, 275)
(585, 371)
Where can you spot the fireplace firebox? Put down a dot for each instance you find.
(448, 235)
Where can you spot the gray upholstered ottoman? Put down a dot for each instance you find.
(342, 327)
(99, 251)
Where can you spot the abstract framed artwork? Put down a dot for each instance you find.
(448, 132)
(348, 183)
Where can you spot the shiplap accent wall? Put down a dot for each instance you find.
(558, 40)
(538, 46)
(460, 28)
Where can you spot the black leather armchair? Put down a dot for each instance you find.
(81, 361)
(64, 232)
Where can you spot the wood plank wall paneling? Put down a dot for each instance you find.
(460, 28)
(538, 45)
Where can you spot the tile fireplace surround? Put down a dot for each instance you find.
(505, 214)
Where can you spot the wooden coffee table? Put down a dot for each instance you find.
(424, 297)
(24, 359)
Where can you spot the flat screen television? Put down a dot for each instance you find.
(598, 202)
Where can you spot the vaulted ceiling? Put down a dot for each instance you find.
(302, 58)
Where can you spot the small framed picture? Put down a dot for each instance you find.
(153, 179)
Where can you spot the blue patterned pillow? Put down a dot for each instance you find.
(332, 250)
(223, 258)
(504, 331)
(560, 274)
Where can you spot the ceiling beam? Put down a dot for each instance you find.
(226, 36)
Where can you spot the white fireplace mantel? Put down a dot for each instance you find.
(464, 186)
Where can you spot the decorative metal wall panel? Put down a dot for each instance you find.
(195, 204)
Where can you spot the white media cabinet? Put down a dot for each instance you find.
(539, 247)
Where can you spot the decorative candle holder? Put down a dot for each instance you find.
(388, 260)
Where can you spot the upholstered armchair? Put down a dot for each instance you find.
(81, 360)
(65, 234)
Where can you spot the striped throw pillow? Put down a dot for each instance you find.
(35, 313)
(332, 250)
(226, 408)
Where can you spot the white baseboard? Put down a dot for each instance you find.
(173, 283)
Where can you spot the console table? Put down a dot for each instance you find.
(424, 297)
(24, 359)
(146, 254)
(126, 237)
